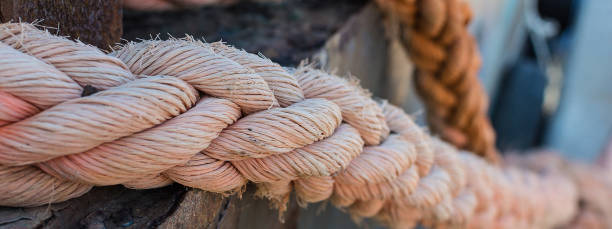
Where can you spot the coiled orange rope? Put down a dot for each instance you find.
(212, 117)
(447, 61)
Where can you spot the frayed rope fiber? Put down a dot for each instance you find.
(213, 117)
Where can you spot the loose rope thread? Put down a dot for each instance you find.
(434, 33)
(213, 117)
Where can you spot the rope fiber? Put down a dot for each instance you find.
(213, 117)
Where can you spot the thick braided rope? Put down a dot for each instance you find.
(447, 62)
(212, 117)
(592, 181)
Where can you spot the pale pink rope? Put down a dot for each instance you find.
(213, 117)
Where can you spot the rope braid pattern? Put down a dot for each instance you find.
(213, 117)
(446, 56)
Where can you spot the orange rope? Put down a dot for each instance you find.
(447, 60)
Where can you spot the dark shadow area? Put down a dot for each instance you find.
(285, 32)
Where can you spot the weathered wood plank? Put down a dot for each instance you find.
(198, 209)
(103, 207)
(91, 21)
(175, 206)
(359, 49)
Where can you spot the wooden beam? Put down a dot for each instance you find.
(95, 22)
(174, 206)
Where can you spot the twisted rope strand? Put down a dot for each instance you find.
(208, 116)
(447, 62)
